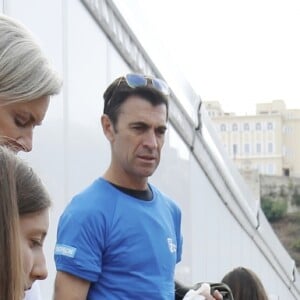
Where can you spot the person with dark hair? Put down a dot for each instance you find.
(24, 221)
(245, 284)
(120, 238)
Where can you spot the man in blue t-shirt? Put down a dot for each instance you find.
(120, 238)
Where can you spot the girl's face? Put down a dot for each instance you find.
(33, 230)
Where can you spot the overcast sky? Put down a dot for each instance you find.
(235, 51)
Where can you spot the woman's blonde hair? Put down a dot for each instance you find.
(25, 73)
(21, 193)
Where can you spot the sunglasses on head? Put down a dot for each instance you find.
(140, 80)
(133, 80)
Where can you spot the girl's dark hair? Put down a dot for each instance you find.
(245, 284)
(21, 193)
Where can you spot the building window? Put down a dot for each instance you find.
(247, 148)
(234, 127)
(286, 171)
(271, 169)
(234, 149)
(284, 151)
(223, 127)
(270, 147)
(270, 126)
(246, 127)
(287, 129)
(284, 129)
(258, 148)
(258, 126)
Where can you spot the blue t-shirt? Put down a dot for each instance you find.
(127, 248)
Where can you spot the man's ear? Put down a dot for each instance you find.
(108, 127)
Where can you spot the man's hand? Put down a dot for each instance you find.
(203, 292)
(182, 291)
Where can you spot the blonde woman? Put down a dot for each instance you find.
(27, 81)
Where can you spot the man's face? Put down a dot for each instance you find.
(137, 141)
(18, 120)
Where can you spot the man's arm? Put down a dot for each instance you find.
(69, 287)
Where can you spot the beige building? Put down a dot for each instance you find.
(268, 141)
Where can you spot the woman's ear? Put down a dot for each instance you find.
(108, 127)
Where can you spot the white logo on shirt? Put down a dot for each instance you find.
(65, 250)
(171, 245)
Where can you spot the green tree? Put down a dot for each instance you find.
(296, 198)
(274, 209)
(296, 245)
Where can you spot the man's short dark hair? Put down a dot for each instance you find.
(119, 91)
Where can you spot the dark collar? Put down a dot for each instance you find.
(145, 195)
